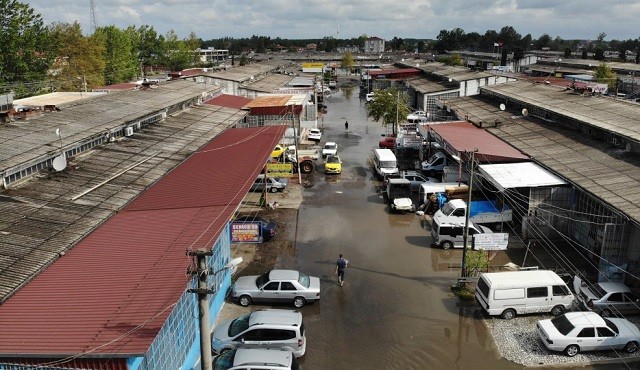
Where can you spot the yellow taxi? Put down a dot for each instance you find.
(333, 164)
(278, 151)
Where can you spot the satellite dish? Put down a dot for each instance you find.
(59, 163)
(58, 132)
(525, 112)
(502, 106)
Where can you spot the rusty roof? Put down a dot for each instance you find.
(463, 136)
(112, 292)
(269, 101)
(230, 101)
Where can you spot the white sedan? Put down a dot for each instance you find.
(314, 134)
(330, 148)
(574, 332)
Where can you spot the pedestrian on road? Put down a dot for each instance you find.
(341, 265)
(346, 125)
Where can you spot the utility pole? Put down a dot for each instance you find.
(465, 236)
(203, 305)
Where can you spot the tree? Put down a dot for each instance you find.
(451, 60)
(243, 59)
(150, 46)
(391, 106)
(121, 61)
(24, 45)
(80, 63)
(177, 55)
(604, 74)
(347, 61)
(567, 52)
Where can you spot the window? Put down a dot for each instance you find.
(446, 230)
(630, 297)
(587, 333)
(605, 332)
(560, 290)
(271, 286)
(278, 334)
(254, 335)
(615, 297)
(285, 285)
(537, 292)
(459, 212)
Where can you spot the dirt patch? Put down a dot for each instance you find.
(258, 258)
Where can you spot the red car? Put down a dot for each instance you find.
(387, 142)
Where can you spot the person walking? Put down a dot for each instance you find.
(346, 125)
(341, 265)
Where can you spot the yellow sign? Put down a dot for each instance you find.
(312, 67)
(279, 169)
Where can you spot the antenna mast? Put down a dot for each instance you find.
(94, 24)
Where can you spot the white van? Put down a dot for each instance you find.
(385, 162)
(519, 292)
(449, 235)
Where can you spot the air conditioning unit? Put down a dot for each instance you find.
(128, 131)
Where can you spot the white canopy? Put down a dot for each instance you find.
(519, 175)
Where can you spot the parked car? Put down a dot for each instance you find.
(278, 151)
(269, 328)
(330, 148)
(267, 228)
(333, 164)
(273, 184)
(417, 179)
(314, 134)
(255, 358)
(417, 117)
(369, 97)
(387, 142)
(276, 285)
(575, 332)
(608, 299)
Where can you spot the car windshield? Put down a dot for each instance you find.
(329, 146)
(448, 208)
(612, 326)
(597, 291)
(262, 279)
(239, 325)
(563, 324)
(304, 280)
(333, 160)
(224, 361)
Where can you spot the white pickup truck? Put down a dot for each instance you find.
(482, 212)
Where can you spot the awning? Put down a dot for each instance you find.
(519, 175)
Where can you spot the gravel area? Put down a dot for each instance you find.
(517, 341)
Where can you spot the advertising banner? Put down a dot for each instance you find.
(280, 169)
(246, 232)
(491, 241)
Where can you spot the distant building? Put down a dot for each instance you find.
(212, 55)
(347, 49)
(374, 45)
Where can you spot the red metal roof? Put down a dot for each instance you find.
(461, 136)
(229, 101)
(113, 291)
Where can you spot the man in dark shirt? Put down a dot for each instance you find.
(341, 265)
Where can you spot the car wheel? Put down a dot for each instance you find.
(557, 310)
(224, 350)
(244, 300)
(605, 313)
(446, 245)
(508, 314)
(298, 302)
(306, 167)
(273, 189)
(572, 350)
(631, 347)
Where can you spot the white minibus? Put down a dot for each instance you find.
(385, 162)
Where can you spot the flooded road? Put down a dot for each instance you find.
(395, 310)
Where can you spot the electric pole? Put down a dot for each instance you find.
(465, 236)
(202, 272)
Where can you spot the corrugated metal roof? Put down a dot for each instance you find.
(269, 101)
(426, 86)
(614, 115)
(519, 175)
(464, 137)
(592, 165)
(130, 272)
(40, 220)
(230, 101)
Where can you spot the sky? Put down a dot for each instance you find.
(291, 19)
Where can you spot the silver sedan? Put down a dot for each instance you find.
(277, 286)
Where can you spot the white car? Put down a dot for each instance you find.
(574, 332)
(255, 359)
(418, 116)
(314, 134)
(369, 97)
(330, 148)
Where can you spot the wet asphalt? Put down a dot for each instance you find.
(395, 310)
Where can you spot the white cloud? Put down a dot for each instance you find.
(569, 19)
